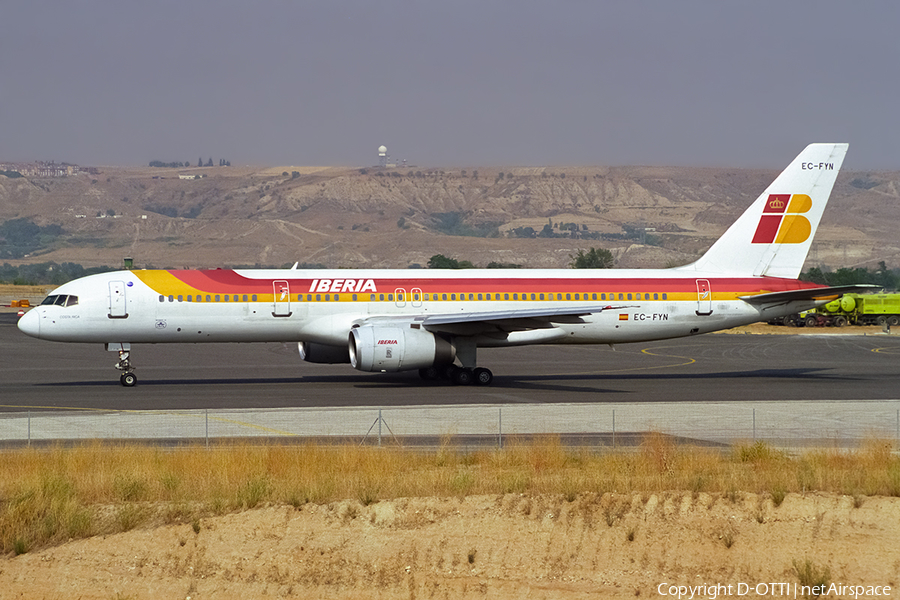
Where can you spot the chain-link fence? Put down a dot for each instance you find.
(785, 424)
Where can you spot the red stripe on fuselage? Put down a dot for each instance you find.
(226, 281)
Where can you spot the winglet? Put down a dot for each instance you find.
(773, 236)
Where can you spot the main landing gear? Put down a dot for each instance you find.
(458, 375)
(468, 373)
(128, 378)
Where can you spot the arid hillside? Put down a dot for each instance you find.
(343, 217)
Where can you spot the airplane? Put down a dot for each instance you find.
(434, 321)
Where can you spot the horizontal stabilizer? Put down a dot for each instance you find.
(808, 294)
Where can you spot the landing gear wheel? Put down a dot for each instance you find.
(462, 377)
(483, 376)
(128, 379)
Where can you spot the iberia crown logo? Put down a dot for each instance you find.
(782, 221)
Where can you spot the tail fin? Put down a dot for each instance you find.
(773, 236)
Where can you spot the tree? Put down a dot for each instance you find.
(595, 258)
(439, 261)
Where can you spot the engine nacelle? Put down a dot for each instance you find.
(323, 354)
(390, 348)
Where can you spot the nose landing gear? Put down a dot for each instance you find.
(128, 378)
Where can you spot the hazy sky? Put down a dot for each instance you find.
(453, 83)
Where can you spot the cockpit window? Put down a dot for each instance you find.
(60, 300)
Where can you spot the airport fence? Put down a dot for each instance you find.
(622, 425)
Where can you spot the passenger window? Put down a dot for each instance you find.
(190, 298)
(506, 296)
(515, 296)
(664, 297)
(226, 297)
(453, 296)
(254, 297)
(390, 297)
(381, 297)
(532, 296)
(180, 298)
(471, 297)
(602, 296)
(479, 296)
(415, 296)
(354, 297)
(629, 296)
(327, 297)
(621, 297)
(443, 296)
(655, 296)
(318, 297)
(217, 298)
(208, 298)
(245, 297)
(371, 297)
(162, 298)
(576, 296)
(337, 297)
(568, 297)
(594, 296)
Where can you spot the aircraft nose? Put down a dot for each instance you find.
(30, 323)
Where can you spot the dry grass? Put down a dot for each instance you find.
(51, 495)
(24, 291)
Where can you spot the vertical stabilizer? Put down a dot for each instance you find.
(773, 236)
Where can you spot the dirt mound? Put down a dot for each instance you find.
(507, 546)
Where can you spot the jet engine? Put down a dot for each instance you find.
(323, 353)
(385, 348)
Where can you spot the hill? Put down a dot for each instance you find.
(343, 217)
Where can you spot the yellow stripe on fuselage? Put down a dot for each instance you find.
(163, 282)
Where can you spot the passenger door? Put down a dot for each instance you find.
(704, 298)
(118, 307)
(282, 291)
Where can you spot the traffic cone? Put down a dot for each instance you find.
(21, 312)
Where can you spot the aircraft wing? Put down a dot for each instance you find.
(807, 294)
(474, 323)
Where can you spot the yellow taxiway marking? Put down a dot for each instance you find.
(687, 361)
(886, 350)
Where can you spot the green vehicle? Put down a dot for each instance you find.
(858, 309)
